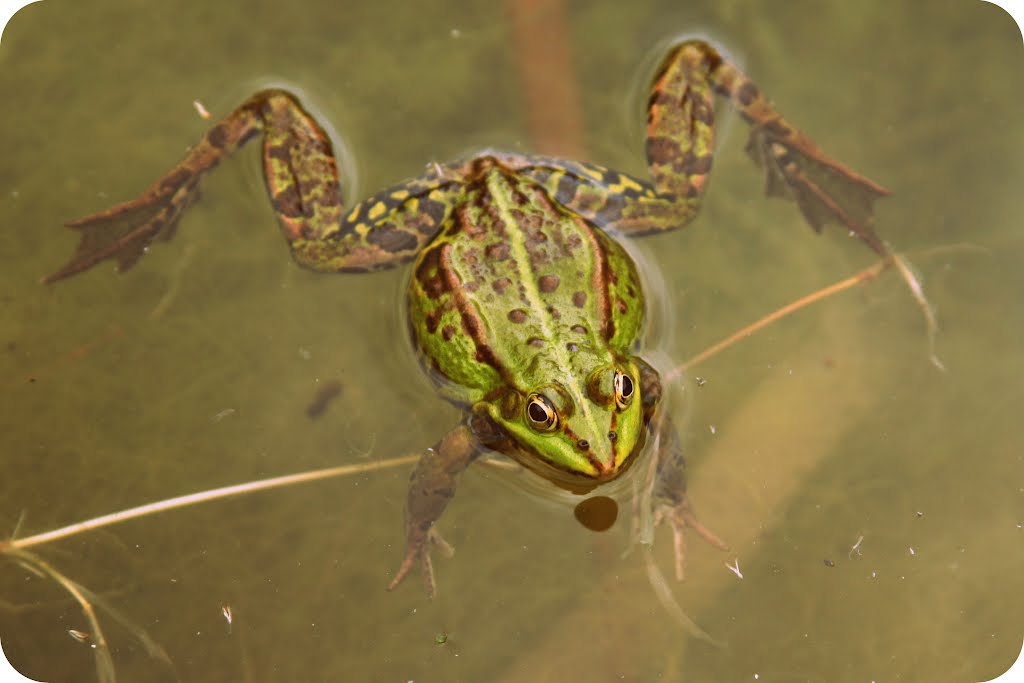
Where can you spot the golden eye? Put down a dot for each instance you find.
(623, 390)
(541, 414)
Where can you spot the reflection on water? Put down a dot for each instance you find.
(872, 502)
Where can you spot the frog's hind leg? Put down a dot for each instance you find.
(302, 180)
(680, 139)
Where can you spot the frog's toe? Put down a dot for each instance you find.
(419, 550)
(125, 232)
(681, 517)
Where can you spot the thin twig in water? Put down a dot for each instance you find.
(104, 662)
(202, 497)
(864, 276)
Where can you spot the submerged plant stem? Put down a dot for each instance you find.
(865, 275)
(104, 661)
(201, 497)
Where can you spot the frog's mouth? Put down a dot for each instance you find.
(579, 483)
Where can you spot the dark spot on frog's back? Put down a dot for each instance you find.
(497, 252)
(391, 239)
(447, 332)
(579, 299)
(501, 284)
(517, 315)
(548, 283)
(535, 238)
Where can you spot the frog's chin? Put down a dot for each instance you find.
(578, 483)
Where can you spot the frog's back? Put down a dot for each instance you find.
(515, 287)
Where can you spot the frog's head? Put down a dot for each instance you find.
(577, 433)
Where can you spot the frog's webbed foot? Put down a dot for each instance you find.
(431, 488)
(125, 231)
(681, 517)
(824, 189)
(418, 551)
(680, 140)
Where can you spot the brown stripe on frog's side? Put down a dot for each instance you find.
(472, 325)
(428, 274)
(598, 281)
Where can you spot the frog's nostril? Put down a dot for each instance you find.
(612, 435)
(583, 444)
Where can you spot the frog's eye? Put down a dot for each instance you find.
(541, 414)
(623, 390)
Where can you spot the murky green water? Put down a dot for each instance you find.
(194, 370)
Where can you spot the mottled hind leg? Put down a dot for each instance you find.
(302, 180)
(124, 232)
(431, 488)
(680, 140)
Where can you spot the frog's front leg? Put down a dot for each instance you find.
(669, 498)
(431, 488)
(302, 180)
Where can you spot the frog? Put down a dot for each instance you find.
(522, 303)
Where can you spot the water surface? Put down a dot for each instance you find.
(194, 369)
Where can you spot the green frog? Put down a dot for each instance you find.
(522, 306)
